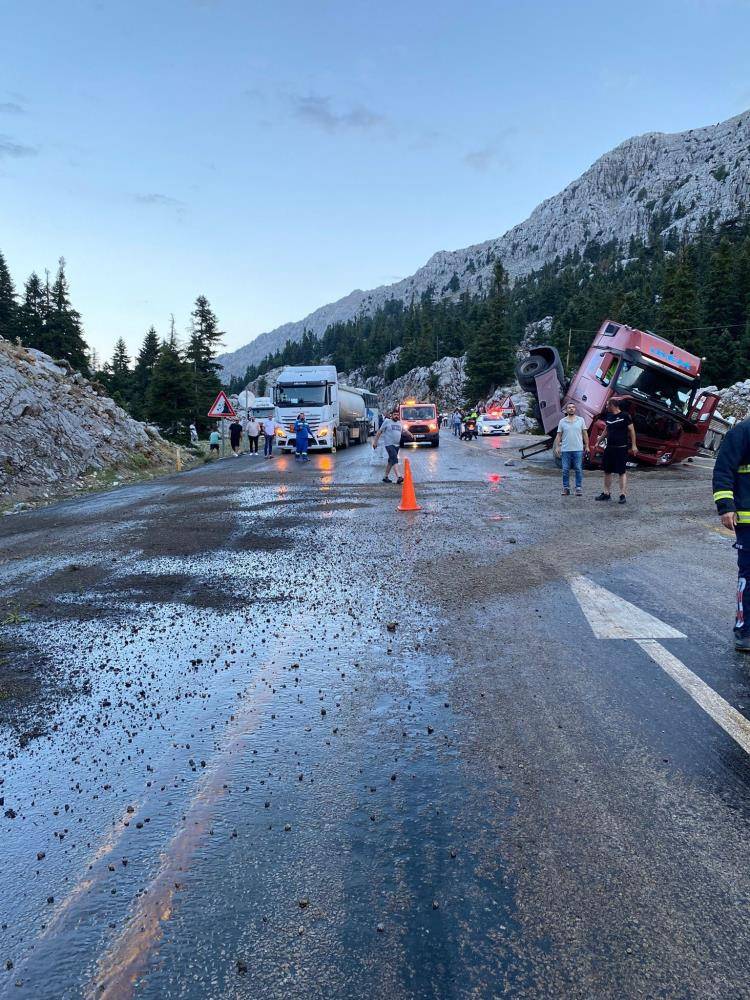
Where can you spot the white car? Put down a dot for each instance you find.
(488, 424)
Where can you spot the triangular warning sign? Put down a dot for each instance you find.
(222, 407)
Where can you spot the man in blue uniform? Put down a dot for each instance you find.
(731, 486)
(301, 438)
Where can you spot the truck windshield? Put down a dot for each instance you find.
(417, 412)
(645, 382)
(301, 395)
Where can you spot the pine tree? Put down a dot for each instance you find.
(205, 337)
(143, 372)
(9, 318)
(490, 359)
(169, 397)
(32, 314)
(63, 329)
(119, 377)
(680, 308)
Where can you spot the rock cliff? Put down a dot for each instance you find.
(56, 428)
(654, 182)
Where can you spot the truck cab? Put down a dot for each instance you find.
(421, 421)
(655, 381)
(335, 414)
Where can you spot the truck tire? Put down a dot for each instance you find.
(435, 442)
(539, 361)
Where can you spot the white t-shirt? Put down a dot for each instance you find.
(572, 433)
(253, 428)
(390, 432)
(269, 426)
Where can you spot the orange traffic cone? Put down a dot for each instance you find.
(408, 497)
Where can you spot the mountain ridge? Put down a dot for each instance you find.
(653, 182)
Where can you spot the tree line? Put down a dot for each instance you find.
(693, 290)
(168, 384)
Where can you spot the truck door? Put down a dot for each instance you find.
(548, 392)
(703, 409)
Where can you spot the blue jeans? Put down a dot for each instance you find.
(572, 460)
(268, 445)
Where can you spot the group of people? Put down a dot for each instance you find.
(251, 427)
(458, 418)
(572, 445)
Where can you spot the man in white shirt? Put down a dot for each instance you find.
(571, 442)
(269, 432)
(253, 433)
(391, 432)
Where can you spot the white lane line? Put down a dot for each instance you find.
(730, 720)
(612, 617)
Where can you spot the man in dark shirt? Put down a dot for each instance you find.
(620, 431)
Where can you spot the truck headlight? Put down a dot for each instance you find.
(322, 431)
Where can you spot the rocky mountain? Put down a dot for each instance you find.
(651, 182)
(58, 433)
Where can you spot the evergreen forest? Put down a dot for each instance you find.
(694, 291)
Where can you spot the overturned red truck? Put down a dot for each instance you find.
(654, 380)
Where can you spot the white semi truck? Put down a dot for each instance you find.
(335, 413)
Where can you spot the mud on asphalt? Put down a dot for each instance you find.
(360, 755)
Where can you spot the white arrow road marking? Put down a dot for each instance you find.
(611, 617)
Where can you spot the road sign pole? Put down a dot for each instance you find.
(223, 438)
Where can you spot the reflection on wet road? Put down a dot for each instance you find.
(271, 738)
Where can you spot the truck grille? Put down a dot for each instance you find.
(312, 422)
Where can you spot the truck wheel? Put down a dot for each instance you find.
(435, 442)
(539, 361)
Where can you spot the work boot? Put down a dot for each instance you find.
(604, 496)
(623, 498)
(742, 641)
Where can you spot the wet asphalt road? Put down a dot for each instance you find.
(263, 736)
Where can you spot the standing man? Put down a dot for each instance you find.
(235, 436)
(301, 438)
(391, 431)
(253, 433)
(269, 431)
(456, 420)
(620, 431)
(214, 440)
(732, 497)
(571, 442)
(193, 434)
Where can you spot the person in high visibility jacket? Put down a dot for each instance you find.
(301, 438)
(731, 484)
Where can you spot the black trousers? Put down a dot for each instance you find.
(742, 544)
(253, 442)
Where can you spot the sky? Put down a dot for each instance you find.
(274, 156)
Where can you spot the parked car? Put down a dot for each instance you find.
(489, 424)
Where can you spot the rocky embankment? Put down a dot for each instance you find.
(60, 435)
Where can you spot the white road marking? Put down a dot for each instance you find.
(612, 617)
(730, 720)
